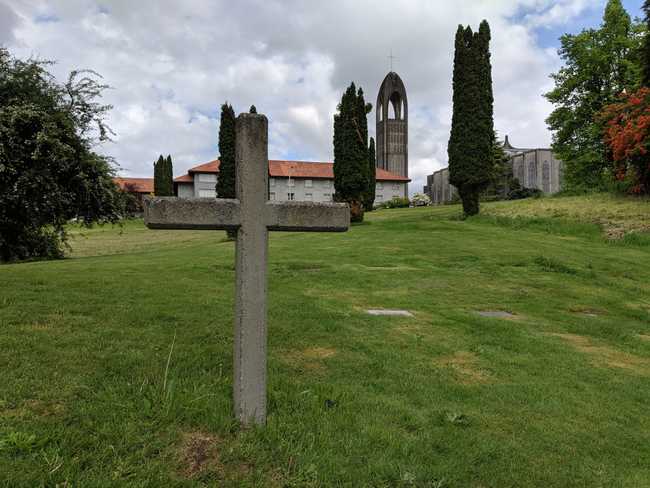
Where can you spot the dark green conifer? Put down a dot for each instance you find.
(226, 179)
(369, 201)
(470, 149)
(646, 46)
(158, 176)
(351, 151)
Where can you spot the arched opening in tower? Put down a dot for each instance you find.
(395, 106)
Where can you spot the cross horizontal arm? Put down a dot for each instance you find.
(307, 216)
(191, 213)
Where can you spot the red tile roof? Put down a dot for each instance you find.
(184, 179)
(135, 185)
(295, 169)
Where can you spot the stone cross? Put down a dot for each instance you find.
(252, 215)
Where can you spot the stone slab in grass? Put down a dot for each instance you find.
(499, 314)
(394, 313)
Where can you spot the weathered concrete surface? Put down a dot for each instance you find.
(395, 313)
(191, 213)
(308, 216)
(251, 157)
(253, 216)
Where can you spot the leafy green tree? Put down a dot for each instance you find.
(646, 45)
(599, 65)
(49, 173)
(163, 180)
(168, 176)
(351, 151)
(226, 179)
(471, 142)
(369, 200)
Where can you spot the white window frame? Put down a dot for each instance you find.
(272, 196)
(309, 197)
(380, 185)
(379, 198)
(291, 196)
(308, 183)
(291, 183)
(271, 181)
(207, 194)
(395, 186)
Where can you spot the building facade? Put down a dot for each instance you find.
(392, 127)
(533, 168)
(289, 180)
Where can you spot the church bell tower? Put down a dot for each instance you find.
(392, 127)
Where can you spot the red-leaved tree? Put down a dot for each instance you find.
(627, 136)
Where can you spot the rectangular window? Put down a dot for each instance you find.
(396, 196)
(291, 196)
(207, 178)
(380, 185)
(291, 183)
(379, 198)
(327, 197)
(272, 181)
(309, 197)
(395, 186)
(207, 193)
(328, 183)
(272, 195)
(308, 184)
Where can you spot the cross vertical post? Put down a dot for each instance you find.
(250, 338)
(253, 216)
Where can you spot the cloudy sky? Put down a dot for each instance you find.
(172, 63)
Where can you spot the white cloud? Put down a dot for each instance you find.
(172, 64)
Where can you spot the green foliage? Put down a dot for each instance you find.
(645, 57)
(226, 180)
(412, 398)
(163, 179)
(397, 202)
(369, 200)
(520, 193)
(351, 151)
(471, 143)
(49, 172)
(599, 65)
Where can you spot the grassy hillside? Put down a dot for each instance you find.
(116, 363)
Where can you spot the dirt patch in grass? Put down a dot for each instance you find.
(644, 337)
(199, 454)
(310, 359)
(465, 366)
(318, 352)
(607, 356)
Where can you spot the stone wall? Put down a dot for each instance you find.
(534, 168)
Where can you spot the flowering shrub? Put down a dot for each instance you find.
(420, 200)
(627, 137)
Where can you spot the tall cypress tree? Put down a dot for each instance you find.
(646, 45)
(369, 201)
(226, 180)
(169, 176)
(351, 152)
(158, 176)
(470, 148)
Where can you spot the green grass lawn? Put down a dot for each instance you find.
(116, 363)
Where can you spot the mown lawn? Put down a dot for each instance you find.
(116, 363)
